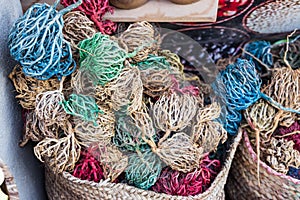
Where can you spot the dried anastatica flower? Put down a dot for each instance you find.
(28, 88)
(129, 135)
(82, 83)
(156, 82)
(139, 38)
(206, 132)
(77, 27)
(208, 135)
(281, 155)
(179, 152)
(174, 61)
(88, 167)
(49, 109)
(127, 89)
(292, 55)
(113, 161)
(285, 79)
(82, 106)
(173, 182)
(89, 133)
(262, 117)
(61, 154)
(291, 133)
(143, 169)
(174, 112)
(36, 130)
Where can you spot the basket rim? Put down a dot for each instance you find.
(9, 181)
(213, 186)
(263, 164)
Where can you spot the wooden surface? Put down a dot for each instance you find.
(158, 11)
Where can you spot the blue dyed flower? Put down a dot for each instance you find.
(262, 51)
(238, 85)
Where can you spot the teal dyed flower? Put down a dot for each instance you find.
(143, 169)
(82, 106)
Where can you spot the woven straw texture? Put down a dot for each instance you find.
(66, 186)
(10, 187)
(243, 184)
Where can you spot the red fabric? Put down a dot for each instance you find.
(184, 184)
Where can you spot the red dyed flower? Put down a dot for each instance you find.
(294, 137)
(190, 89)
(184, 184)
(95, 10)
(88, 167)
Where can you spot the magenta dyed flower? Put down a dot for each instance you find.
(294, 137)
(184, 184)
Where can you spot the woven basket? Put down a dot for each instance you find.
(243, 184)
(9, 187)
(66, 186)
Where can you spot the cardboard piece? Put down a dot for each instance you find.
(166, 11)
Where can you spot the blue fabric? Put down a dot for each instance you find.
(294, 172)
